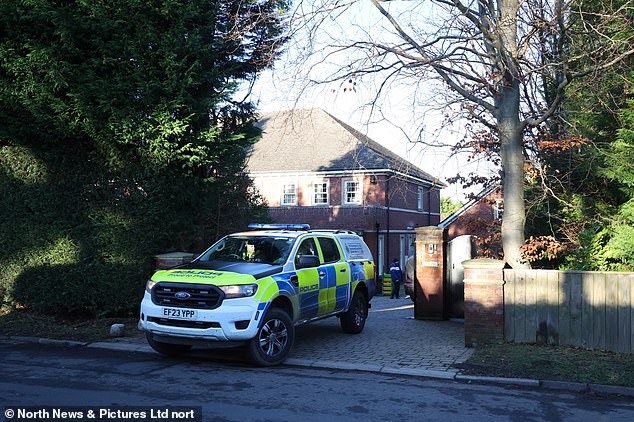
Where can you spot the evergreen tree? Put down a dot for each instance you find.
(120, 139)
(155, 78)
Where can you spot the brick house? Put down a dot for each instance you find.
(312, 168)
(480, 217)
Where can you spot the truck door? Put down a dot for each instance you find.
(334, 277)
(308, 281)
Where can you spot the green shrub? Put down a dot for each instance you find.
(79, 239)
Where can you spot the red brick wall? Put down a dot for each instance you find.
(483, 302)
(430, 285)
(354, 217)
(476, 219)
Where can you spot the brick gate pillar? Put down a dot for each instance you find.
(483, 301)
(429, 285)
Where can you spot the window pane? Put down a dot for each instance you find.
(352, 192)
(321, 193)
(289, 196)
(261, 249)
(329, 249)
(307, 247)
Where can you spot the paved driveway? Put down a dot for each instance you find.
(392, 341)
(392, 338)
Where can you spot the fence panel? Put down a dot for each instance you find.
(588, 309)
(510, 313)
(587, 280)
(573, 282)
(565, 309)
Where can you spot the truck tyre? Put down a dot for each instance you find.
(274, 339)
(353, 320)
(167, 349)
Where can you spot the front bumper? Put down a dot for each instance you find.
(219, 323)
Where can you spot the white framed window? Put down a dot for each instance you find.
(420, 201)
(289, 194)
(498, 209)
(321, 193)
(352, 191)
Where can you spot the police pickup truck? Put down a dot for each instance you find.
(253, 288)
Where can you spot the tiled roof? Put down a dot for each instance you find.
(313, 140)
(478, 197)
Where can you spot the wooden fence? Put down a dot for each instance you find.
(593, 310)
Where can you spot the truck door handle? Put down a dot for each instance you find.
(343, 270)
(322, 274)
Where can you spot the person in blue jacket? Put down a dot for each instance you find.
(397, 278)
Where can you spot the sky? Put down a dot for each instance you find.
(406, 116)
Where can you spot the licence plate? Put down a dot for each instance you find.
(177, 313)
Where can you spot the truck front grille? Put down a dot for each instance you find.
(181, 295)
(182, 323)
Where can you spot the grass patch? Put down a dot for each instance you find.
(27, 323)
(551, 363)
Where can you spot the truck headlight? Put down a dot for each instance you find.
(148, 286)
(241, 290)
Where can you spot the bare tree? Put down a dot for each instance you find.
(495, 58)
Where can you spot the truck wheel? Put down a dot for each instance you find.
(353, 320)
(274, 339)
(167, 349)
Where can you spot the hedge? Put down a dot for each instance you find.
(78, 237)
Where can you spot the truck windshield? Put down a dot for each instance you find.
(256, 249)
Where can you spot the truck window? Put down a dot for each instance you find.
(329, 249)
(307, 247)
(251, 249)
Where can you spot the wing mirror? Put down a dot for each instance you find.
(308, 261)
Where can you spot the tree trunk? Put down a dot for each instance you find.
(510, 132)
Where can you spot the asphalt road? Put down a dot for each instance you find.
(228, 390)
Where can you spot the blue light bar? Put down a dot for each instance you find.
(279, 226)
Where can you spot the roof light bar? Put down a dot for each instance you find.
(279, 226)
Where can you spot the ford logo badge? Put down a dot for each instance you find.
(182, 295)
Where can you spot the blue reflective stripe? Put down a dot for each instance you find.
(309, 304)
(331, 274)
(265, 307)
(342, 297)
(358, 273)
(323, 282)
(284, 283)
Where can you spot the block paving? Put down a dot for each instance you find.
(392, 338)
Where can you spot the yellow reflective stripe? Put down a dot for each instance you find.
(218, 278)
(308, 276)
(332, 298)
(369, 271)
(323, 301)
(319, 252)
(342, 278)
(267, 291)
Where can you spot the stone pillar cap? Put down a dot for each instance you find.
(428, 229)
(490, 263)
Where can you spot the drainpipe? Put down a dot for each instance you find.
(377, 276)
(429, 207)
(387, 229)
